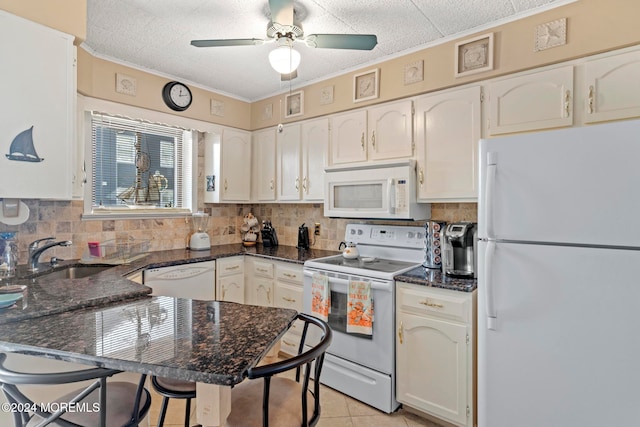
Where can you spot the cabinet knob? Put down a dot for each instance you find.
(271, 185)
(567, 102)
(400, 334)
(373, 139)
(421, 176)
(362, 141)
(590, 100)
(304, 185)
(297, 183)
(226, 185)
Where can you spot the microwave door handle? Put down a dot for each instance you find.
(391, 195)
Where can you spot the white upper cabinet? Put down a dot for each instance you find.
(236, 161)
(315, 153)
(391, 130)
(611, 87)
(264, 149)
(448, 127)
(535, 101)
(289, 150)
(349, 137)
(378, 133)
(227, 166)
(38, 123)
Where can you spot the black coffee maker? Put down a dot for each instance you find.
(303, 237)
(269, 236)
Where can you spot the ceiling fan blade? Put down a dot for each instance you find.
(226, 42)
(342, 41)
(281, 11)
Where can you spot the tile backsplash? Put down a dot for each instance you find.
(62, 219)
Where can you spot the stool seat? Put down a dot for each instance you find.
(170, 388)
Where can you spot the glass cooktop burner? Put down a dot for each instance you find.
(374, 264)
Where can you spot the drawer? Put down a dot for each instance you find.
(289, 274)
(435, 302)
(263, 269)
(288, 296)
(233, 265)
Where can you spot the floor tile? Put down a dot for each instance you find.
(378, 421)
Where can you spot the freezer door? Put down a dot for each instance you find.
(577, 185)
(564, 348)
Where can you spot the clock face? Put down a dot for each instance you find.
(177, 96)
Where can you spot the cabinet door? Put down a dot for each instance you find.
(348, 137)
(315, 151)
(448, 127)
(390, 131)
(535, 101)
(612, 88)
(288, 156)
(264, 147)
(431, 367)
(235, 165)
(262, 292)
(231, 288)
(37, 124)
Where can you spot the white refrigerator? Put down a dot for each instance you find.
(559, 278)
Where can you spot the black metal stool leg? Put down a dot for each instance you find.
(163, 411)
(187, 413)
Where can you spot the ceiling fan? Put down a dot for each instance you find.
(285, 31)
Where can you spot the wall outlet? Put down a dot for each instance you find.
(316, 229)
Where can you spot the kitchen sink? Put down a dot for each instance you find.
(74, 271)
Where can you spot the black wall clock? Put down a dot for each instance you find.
(177, 96)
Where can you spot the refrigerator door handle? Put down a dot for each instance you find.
(492, 317)
(492, 166)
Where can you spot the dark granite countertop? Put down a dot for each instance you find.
(436, 279)
(45, 295)
(212, 342)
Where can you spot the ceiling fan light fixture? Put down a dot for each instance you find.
(284, 59)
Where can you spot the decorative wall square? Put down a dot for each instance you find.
(365, 85)
(550, 35)
(294, 104)
(326, 95)
(267, 112)
(125, 84)
(414, 72)
(474, 55)
(217, 107)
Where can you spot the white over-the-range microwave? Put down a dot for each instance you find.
(374, 191)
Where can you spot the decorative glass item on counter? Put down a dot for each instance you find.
(8, 254)
(250, 229)
(432, 243)
(117, 251)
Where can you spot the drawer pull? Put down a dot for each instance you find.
(290, 344)
(431, 304)
(400, 335)
(233, 267)
(263, 270)
(289, 275)
(288, 299)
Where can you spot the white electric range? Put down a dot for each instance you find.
(363, 366)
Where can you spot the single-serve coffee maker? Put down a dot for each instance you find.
(459, 250)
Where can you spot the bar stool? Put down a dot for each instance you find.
(113, 403)
(170, 388)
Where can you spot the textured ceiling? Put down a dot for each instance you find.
(155, 35)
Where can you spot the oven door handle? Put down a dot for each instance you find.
(344, 283)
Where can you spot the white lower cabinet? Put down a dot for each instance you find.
(259, 282)
(230, 279)
(288, 294)
(435, 352)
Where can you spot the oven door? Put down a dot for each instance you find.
(374, 351)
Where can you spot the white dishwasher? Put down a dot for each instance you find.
(194, 280)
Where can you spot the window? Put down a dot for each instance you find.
(139, 165)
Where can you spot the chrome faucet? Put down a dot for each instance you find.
(35, 250)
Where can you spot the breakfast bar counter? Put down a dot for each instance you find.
(212, 343)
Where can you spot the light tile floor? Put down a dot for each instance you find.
(338, 410)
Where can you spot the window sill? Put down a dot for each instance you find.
(135, 213)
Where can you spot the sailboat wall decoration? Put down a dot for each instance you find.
(22, 148)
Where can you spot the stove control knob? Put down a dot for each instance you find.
(419, 236)
(352, 231)
(410, 234)
(360, 232)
